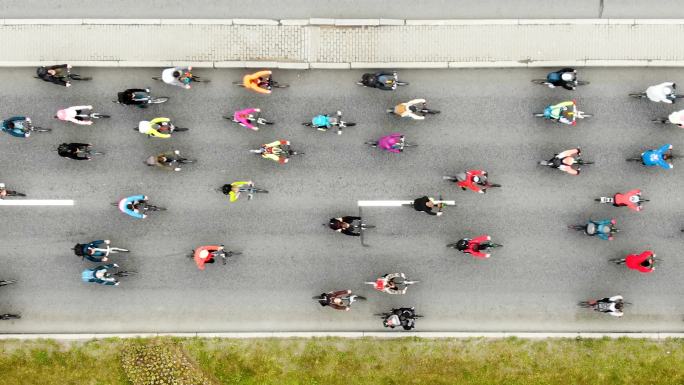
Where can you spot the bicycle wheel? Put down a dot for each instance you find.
(494, 245)
(259, 190)
(158, 100)
(278, 85)
(307, 124)
(617, 261)
(349, 124)
(402, 83)
(539, 81)
(96, 153)
(96, 115)
(365, 226)
(118, 250)
(586, 115)
(359, 298)
(452, 245)
(15, 194)
(660, 121)
(156, 78)
(674, 156)
(264, 121)
(125, 273)
(41, 129)
(79, 77)
(239, 84)
(180, 129)
(186, 161)
(429, 111)
(449, 178)
(639, 95)
(290, 153)
(489, 185)
(679, 96)
(583, 162)
(577, 227)
(585, 304)
(409, 145)
(155, 208)
(638, 159)
(6, 317)
(372, 144)
(317, 298)
(410, 282)
(232, 253)
(582, 83)
(538, 114)
(7, 282)
(418, 316)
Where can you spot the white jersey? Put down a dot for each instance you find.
(167, 76)
(660, 92)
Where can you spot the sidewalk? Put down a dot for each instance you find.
(335, 43)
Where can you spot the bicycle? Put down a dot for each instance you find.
(70, 76)
(252, 119)
(359, 227)
(150, 100)
(486, 185)
(665, 157)
(622, 261)
(145, 207)
(166, 128)
(664, 121)
(11, 193)
(584, 228)
(223, 254)
(643, 95)
(402, 144)
(423, 110)
(405, 282)
(28, 126)
(271, 84)
(481, 247)
(192, 77)
(546, 83)
(578, 161)
(576, 114)
(7, 282)
(349, 299)
(5, 317)
(278, 151)
(335, 121)
(250, 190)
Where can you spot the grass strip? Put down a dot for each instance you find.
(331, 361)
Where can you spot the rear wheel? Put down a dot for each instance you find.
(372, 144)
(15, 194)
(308, 124)
(452, 245)
(660, 121)
(539, 81)
(41, 129)
(639, 95)
(7, 282)
(450, 178)
(582, 83)
(9, 316)
(577, 227)
(617, 261)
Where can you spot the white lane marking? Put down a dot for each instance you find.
(395, 203)
(37, 202)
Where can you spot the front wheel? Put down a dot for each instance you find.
(264, 121)
(409, 145)
(155, 208)
(180, 129)
(365, 226)
(584, 115)
(307, 124)
(428, 111)
(259, 190)
(410, 282)
(637, 159)
(186, 161)
(402, 83)
(8, 282)
(95, 153)
(539, 81)
(15, 194)
(538, 114)
(159, 100)
(96, 115)
(347, 124)
(577, 227)
(359, 298)
(617, 261)
(583, 162)
(9, 316)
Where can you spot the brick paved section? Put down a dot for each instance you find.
(341, 41)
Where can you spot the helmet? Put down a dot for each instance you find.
(176, 74)
(144, 126)
(667, 91)
(476, 179)
(462, 244)
(61, 114)
(547, 112)
(552, 77)
(320, 121)
(634, 198)
(2, 185)
(568, 76)
(226, 189)
(204, 254)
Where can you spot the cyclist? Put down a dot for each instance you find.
(560, 112)
(631, 199)
(325, 122)
(475, 180)
(335, 300)
(405, 316)
(134, 206)
(643, 263)
(565, 160)
(259, 82)
(386, 284)
(426, 204)
(386, 81)
(100, 275)
(75, 114)
(612, 305)
(602, 228)
(166, 160)
(233, 189)
(344, 225)
(677, 118)
(274, 151)
(92, 251)
(76, 151)
(565, 77)
(152, 127)
(206, 254)
(393, 143)
(58, 74)
(19, 126)
(135, 97)
(472, 246)
(663, 92)
(177, 76)
(409, 109)
(657, 157)
(3, 191)
(244, 117)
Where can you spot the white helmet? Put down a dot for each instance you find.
(144, 126)
(2, 185)
(476, 179)
(204, 254)
(667, 90)
(568, 76)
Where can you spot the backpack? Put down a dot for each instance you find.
(87, 275)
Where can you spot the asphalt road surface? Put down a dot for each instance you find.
(426, 9)
(532, 284)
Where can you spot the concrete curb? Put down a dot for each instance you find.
(435, 335)
(347, 22)
(356, 65)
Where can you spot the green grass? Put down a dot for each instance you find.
(332, 361)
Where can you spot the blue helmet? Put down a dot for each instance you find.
(547, 112)
(553, 77)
